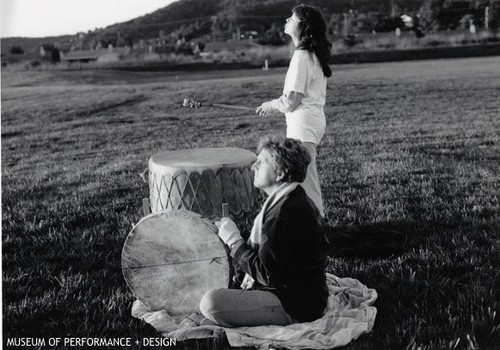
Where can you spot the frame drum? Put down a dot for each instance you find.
(171, 258)
(201, 179)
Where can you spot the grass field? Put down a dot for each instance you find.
(412, 146)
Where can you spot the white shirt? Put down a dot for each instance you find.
(306, 122)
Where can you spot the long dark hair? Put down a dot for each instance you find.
(312, 35)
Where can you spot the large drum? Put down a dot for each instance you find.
(202, 179)
(171, 258)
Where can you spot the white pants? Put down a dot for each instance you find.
(311, 183)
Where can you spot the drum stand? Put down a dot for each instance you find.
(146, 207)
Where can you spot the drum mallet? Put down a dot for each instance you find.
(188, 103)
(225, 214)
(225, 210)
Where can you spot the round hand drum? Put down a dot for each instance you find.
(170, 259)
(201, 179)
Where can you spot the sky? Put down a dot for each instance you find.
(42, 18)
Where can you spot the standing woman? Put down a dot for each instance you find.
(304, 92)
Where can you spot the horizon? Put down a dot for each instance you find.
(53, 18)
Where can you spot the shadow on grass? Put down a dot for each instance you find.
(218, 341)
(209, 343)
(370, 241)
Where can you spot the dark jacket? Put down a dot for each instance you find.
(291, 259)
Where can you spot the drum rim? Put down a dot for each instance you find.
(125, 270)
(247, 158)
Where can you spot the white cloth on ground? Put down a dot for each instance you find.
(350, 313)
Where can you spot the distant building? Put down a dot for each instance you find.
(101, 55)
(144, 53)
(238, 45)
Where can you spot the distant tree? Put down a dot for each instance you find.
(365, 22)
(273, 36)
(230, 11)
(448, 14)
(351, 40)
(335, 24)
(223, 24)
(416, 27)
(108, 39)
(429, 12)
(183, 47)
(494, 24)
(55, 56)
(465, 21)
(48, 47)
(389, 24)
(120, 42)
(454, 11)
(16, 50)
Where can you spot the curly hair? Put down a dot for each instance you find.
(290, 157)
(312, 35)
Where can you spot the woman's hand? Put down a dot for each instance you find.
(248, 282)
(228, 231)
(265, 109)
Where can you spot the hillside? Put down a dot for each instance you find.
(224, 19)
(194, 19)
(165, 20)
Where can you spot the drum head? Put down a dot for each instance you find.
(201, 159)
(171, 258)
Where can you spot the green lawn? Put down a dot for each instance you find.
(412, 146)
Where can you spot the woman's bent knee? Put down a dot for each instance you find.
(210, 302)
(211, 305)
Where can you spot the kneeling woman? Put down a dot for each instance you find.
(285, 256)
